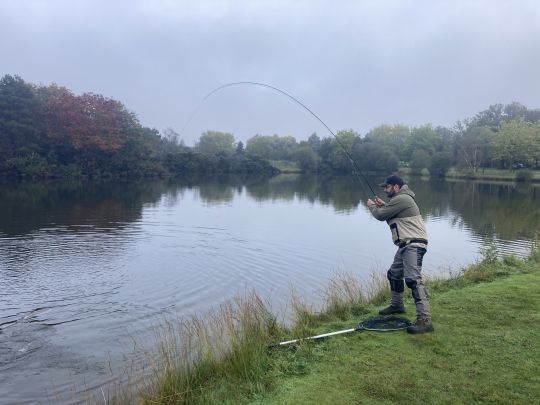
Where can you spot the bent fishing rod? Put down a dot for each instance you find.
(356, 169)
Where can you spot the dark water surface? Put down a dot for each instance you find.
(86, 269)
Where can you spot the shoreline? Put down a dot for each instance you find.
(244, 371)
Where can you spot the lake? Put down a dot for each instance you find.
(87, 269)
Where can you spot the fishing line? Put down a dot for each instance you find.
(356, 169)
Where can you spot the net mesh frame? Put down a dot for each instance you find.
(384, 324)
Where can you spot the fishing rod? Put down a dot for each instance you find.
(356, 169)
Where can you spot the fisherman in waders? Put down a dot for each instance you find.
(409, 234)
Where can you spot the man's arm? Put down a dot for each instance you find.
(387, 211)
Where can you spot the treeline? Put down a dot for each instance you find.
(49, 132)
(503, 136)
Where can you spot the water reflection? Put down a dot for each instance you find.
(506, 210)
(26, 207)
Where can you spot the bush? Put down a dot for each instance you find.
(524, 175)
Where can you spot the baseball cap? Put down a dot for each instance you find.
(392, 180)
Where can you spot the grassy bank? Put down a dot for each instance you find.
(484, 348)
(523, 175)
(285, 166)
(485, 174)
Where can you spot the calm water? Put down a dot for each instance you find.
(87, 269)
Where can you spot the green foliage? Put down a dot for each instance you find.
(314, 141)
(271, 147)
(516, 141)
(307, 159)
(473, 147)
(338, 158)
(189, 162)
(371, 156)
(214, 142)
(440, 164)
(423, 139)
(420, 159)
(28, 166)
(498, 114)
(48, 131)
(18, 125)
(525, 175)
(392, 138)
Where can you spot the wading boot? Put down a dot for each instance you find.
(392, 309)
(421, 326)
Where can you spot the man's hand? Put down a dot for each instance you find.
(378, 202)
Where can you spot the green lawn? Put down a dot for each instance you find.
(496, 174)
(285, 166)
(482, 174)
(485, 349)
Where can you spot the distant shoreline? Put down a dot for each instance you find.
(480, 175)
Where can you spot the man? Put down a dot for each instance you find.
(409, 234)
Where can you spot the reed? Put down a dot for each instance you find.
(224, 354)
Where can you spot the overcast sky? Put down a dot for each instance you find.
(356, 64)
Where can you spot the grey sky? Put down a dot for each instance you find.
(356, 64)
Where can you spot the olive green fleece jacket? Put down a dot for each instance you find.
(403, 216)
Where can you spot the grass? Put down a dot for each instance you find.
(487, 174)
(484, 348)
(494, 174)
(285, 166)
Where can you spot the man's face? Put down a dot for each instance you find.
(391, 190)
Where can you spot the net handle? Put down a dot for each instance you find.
(359, 328)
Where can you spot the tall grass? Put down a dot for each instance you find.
(224, 350)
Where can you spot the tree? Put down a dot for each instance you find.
(536, 151)
(497, 114)
(307, 159)
(314, 141)
(473, 147)
(422, 138)
(282, 147)
(391, 137)
(260, 146)
(420, 159)
(491, 118)
(326, 148)
(239, 147)
(214, 142)
(516, 141)
(19, 133)
(440, 163)
(272, 147)
(344, 142)
(172, 136)
(89, 122)
(370, 155)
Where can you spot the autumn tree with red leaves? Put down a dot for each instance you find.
(89, 122)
